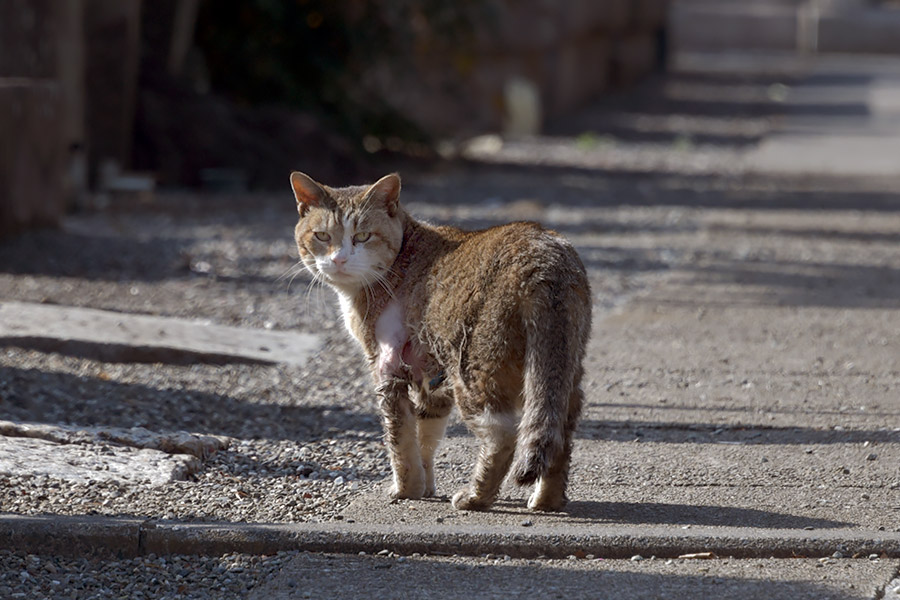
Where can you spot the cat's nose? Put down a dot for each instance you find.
(339, 260)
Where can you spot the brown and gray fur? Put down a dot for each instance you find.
(495, 321)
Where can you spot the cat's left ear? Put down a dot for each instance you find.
(307, 192)
(387, 191)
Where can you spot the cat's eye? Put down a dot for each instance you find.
(362, 238)
(322, 236)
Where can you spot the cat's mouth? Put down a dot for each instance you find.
(341, 276)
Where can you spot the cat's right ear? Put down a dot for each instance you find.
(307, 192)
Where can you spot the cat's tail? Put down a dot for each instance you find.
(557, 323)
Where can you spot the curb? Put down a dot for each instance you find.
(126, 537)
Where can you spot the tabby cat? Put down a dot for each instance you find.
(495, 321)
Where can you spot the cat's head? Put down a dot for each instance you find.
(348, 237)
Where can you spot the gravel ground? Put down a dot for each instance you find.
(39, 577)
(318, 575)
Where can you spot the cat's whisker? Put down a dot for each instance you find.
(291, 272)
(368, 302)
(320, 297)
(309, 289)
(294, 276)
(390, 271)
(316, 282)
(383, 282)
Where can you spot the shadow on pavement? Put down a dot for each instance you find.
(29, 395)
(790, 283)
(644, 513)
(655, 513)
(712, 433)
(420, 578)
(105, 257)
(595, 187)
(879, 237)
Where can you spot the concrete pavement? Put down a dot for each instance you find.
(842, 118)
(316, 576)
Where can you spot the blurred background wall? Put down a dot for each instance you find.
(832, 26)
(99, 97)
(103, 96)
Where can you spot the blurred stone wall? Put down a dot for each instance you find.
(784, 26)
(567, 51)
(68, 74)
(31, 113)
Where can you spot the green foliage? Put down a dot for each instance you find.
(313, 53)
(591, 141)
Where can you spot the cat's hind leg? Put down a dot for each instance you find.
(550, 489)
(432, 413)
(497, 433)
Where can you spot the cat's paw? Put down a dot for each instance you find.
(466, 499)
(412, 486)
(430, 488)
(547, 502)
(406, 493)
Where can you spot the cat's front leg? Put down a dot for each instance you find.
(433, 408)
(401, 439)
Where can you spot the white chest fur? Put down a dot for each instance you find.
(350, 317)
(391, 336)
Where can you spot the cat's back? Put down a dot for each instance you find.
(488, 274)
(513, 255)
